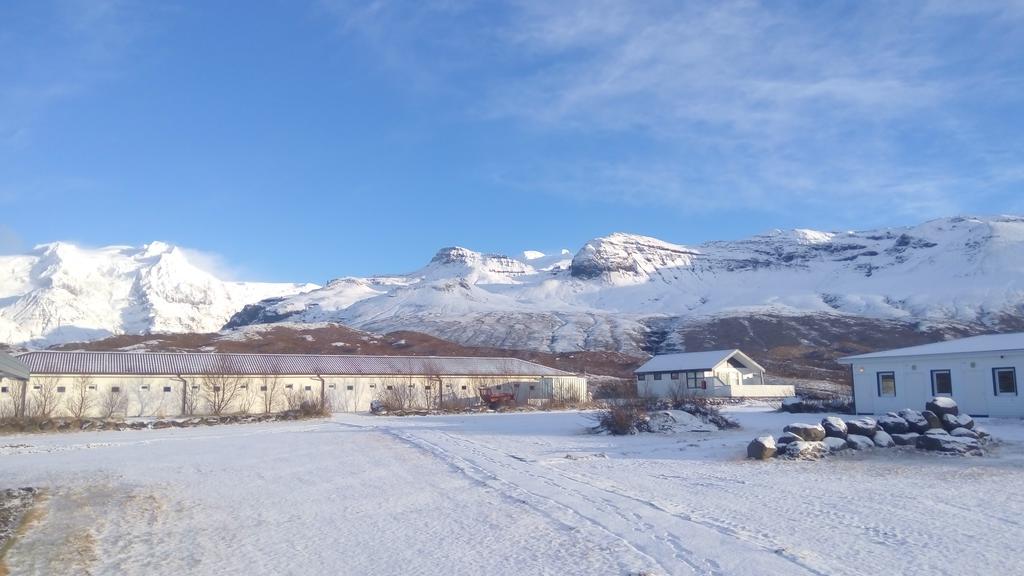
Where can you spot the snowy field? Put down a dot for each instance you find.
(520, 494)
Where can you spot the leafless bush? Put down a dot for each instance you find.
(142, 397)
(315, 406)
(270, 390)
(44, 396)
(621, 419)
(112, 402)
(221, 389)
(81, 400)
(17, 392)
(395, 394)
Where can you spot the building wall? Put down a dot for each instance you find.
(730, 376)
(161, 396)
(972, 378)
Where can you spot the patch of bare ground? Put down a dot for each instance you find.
(19, 507)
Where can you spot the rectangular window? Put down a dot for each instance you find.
(244, 386)
(391, 387)
(657, 375)
(144, 387)
(288, 386)
(1004, 380)
(465, 387)
(942, 383)
(263, 388)
(373, 385)
(349, 387)
(92, 386)
(308, 388)
(4, 389)
(331, 386)
(427, 387)
(216, 388)
(886, 384)
(36, 387)
(115, 389)
(532, 387)
(641, 377)
(195, 388)
(61, 389)
(675, 375)
(167, 388)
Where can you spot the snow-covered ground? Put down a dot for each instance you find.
(505, 494)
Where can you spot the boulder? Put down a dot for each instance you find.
(761, 448)
(936, 432)
(893, 424)
(942, 405)
(834, 427)
(882, 439)
(786, 438)
(865, 426)
(915, 420)
(809, 432)
(160, 424)
(908, 439)
(964, 433)
(948, 444)
(950, 421)
(835, 444)
(981, 432)
(859, 442)
(806, 450)
(792, 404)
(933, 419)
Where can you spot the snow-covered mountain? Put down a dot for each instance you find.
(60, 292)
(617, 290)
(621, 292)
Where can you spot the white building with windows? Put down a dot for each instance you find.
(716, 373)
(169, 384)
(980, 373)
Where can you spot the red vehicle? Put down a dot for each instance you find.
(495, 397)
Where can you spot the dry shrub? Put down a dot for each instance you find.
(621, 419)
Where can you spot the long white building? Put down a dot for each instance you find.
(177, 383)
(980, 373)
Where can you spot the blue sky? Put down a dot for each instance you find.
(304, 141)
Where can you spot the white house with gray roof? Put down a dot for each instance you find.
(981, 373)
(176, 383)
(714, 373)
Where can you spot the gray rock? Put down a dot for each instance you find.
(882, 439)
(160, 424)
(859, 442)
(834, 427)
(835, 444)
(893, 424)
(933, 419)
(786, 438)
(915, 420)
(949, 421)
(948, 444)
(761, 448)
(806, 450)
(809, 432)
(908, 439)
(964, 433)
(942, 405)
(981, 432)
(866, 426)
(936, 432)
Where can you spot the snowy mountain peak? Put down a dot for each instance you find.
(628, 258)
(61, 292)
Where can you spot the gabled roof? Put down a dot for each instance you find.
(191, 363)
(974, 344)
(11, 367)
(694, 361)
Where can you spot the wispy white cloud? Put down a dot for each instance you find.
(880, 104)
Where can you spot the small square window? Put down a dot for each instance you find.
(92, 386)
(464, 387)
(657, 376)
(349, 387)
(412, 385)
(331, 386)
(144, 387)
(4, 389)
(195, 388)
(288, 386)
(61, 389)
(263, 388)
(115, 389)
(641, 377)
(1004, 381)
(675, 375)
(243, 386)
(391, 388)
(427, 387)
(167, 388)
(216, 388)
(36, 387)
(308, 388)
(886, 384)
(373, 385)
(532, 387)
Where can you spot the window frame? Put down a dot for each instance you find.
(878, 383)
(935, 391)
(641, 377)
(674, 376)
(657, 375)
(995, 380)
